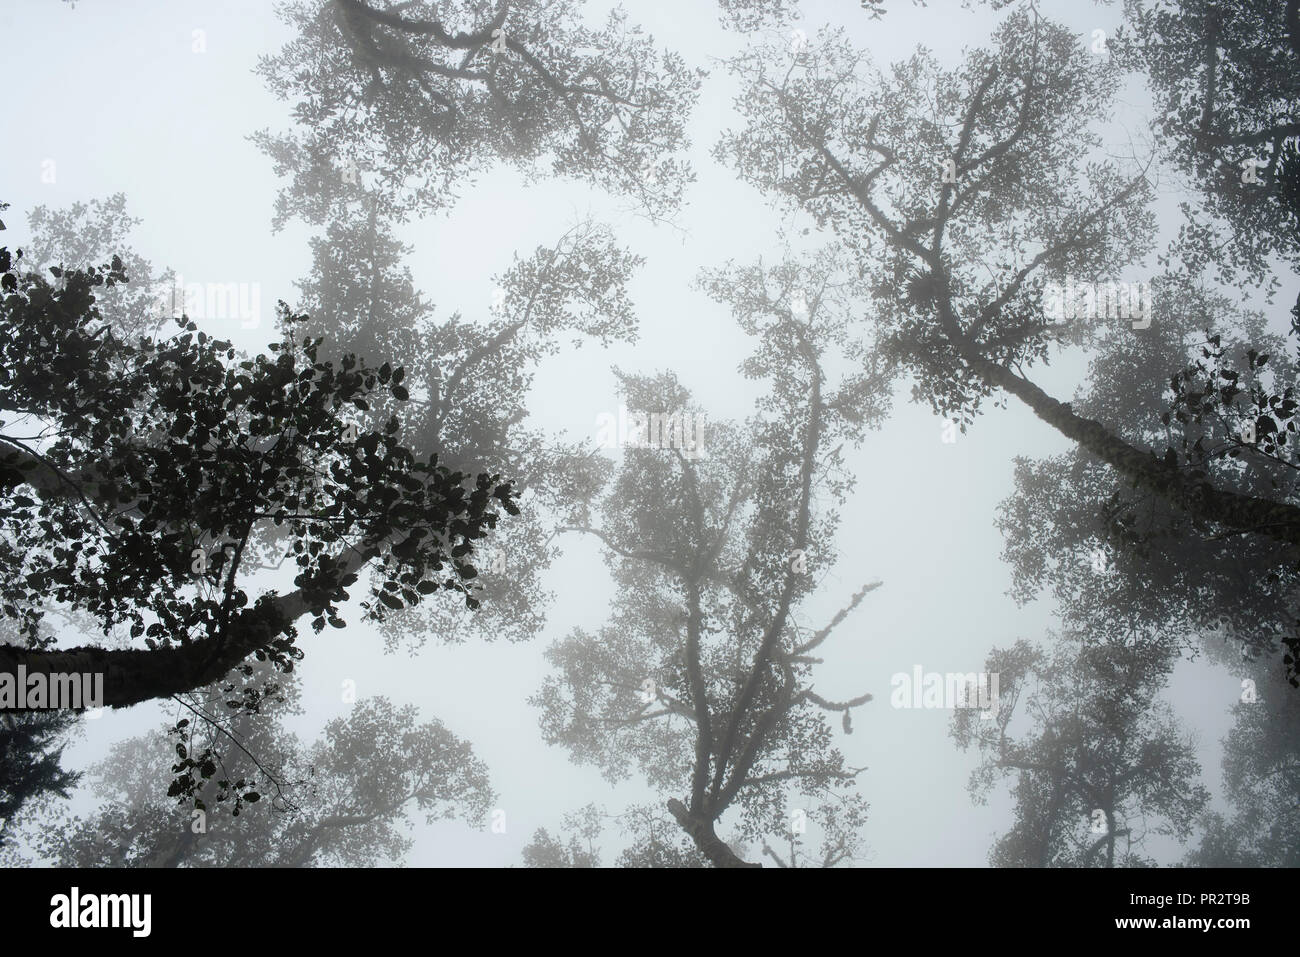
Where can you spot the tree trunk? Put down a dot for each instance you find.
(1200, 498)
(701, 832)
(133, 675)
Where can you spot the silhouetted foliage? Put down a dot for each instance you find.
(139, 475)
(30, 763)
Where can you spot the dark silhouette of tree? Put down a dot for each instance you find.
(703, 677)
(464, 399)
(138, 478)
(31, 749)
(414, 100)
(1103, 764)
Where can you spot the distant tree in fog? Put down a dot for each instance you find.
(344, 800)
(1261, 778)
(1096, 762)
(653, 837)
(1226, 84)
(416, 100)
(703, 678)
(468, 373)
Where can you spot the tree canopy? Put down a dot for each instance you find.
(967, 226)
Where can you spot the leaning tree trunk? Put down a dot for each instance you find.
(1197, 496)
(133, 675)
(702, 833)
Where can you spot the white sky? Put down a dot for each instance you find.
(113, 93)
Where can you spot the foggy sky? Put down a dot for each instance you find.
(112, 92)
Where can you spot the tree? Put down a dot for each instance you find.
(702, 678)
(1261, 776)
(1124, 565)
(1119, 558)
(472, 404)
(1103, 764)
(415, 99)
(343, 801)
(30, 764)
(153, 468)
(655, 840)
(961, 217)
(464, 401)
(469, 376)
(1226, 78)
(579, 851)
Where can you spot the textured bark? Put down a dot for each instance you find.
(701, 832)
(1242, 513)
(133, 675)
